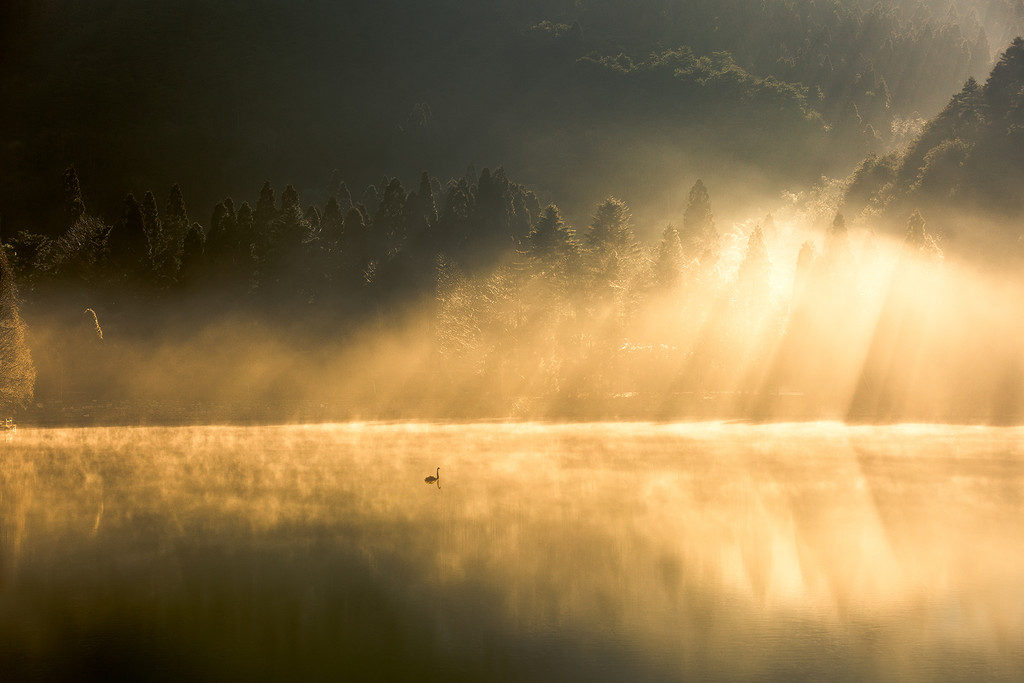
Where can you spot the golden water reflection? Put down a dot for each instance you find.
(666, 551)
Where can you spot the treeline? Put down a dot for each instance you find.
(510, 310)
(348, 254)
(847, 326)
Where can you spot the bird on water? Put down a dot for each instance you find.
(431, 480)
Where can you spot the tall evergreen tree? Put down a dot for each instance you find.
(389, 220)
(313, 218)
(175, 225)
(344, 198)
(17, 372)
(699, 236)
(332, 225)
(427, 203)
(153, 225)
(553, 246)
(176, 222)
(127, 246)
(219, 241)
(609, 250)
(266, 208)
(193, 256)
(754, 274)
(668, 267)
(74, 207)
(290, 227)
(355, 248)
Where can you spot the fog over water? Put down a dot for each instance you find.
(600, 551)
(599, 340)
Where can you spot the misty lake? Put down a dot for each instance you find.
(545, 552)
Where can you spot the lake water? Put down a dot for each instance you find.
(547, 552)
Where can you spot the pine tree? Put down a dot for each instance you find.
(17, 372)
(290, 227)
(427, 203)
(753, 279)
(344, 198)
(151, 221)
(127, 246)
(805, 262)
(332, 225)
(175, 226)
(222, 239)
(699, 236)
(610, 249)
(553, 247)
(611, 231)
(193, 255)
(355, 246)
(313, 218)
(668, 268)
(389, 220)
(74, 207)
(263, 217)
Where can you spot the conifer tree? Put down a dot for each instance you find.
(668, 267)
(332, 225)
(553, 247)
(175, 225)
(753, 277)
(427, 203)
(127, 246)
(313, 218)
(699, 236)
(355, 247)
(389, 220)
(176, 222)
(266, 206)
(610, 249)
(245, 222)
(193, 255)
(290, 199)
(220, 240)
(17, 372)
(344, 198)
(74, 207)
(290, 227)
(151, 221)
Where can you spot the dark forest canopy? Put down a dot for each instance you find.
(966, 166)
(579, 98)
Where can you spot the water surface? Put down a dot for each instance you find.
(592, 552)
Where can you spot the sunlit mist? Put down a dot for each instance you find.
(672, 550)
(560, 340)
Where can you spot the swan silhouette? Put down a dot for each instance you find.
(431, 480)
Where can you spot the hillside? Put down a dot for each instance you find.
(575, 99)
(965, 169)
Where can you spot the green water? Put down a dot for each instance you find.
(573, 552)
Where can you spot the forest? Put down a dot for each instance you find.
(772, 210)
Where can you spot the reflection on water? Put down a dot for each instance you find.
(597, 552)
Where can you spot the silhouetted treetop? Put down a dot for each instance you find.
(699, 236)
